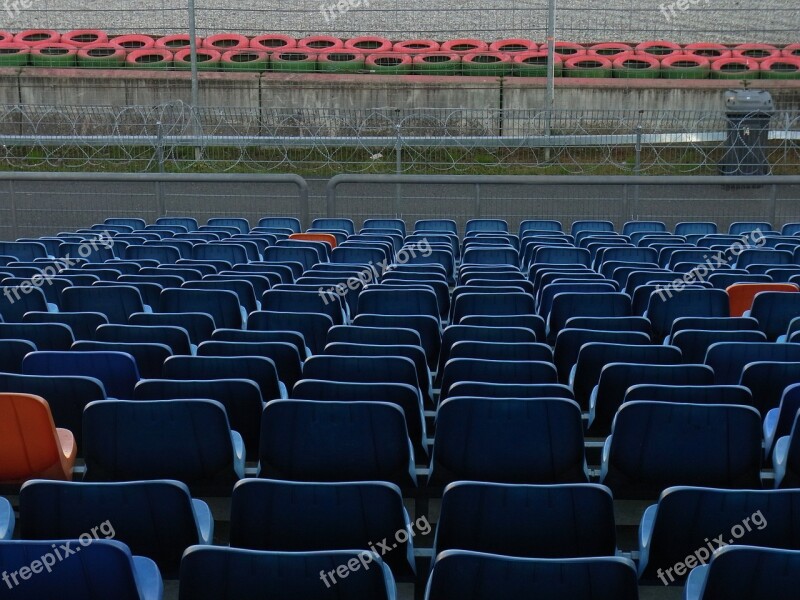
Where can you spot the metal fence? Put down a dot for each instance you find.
(321, 142)
(768, 21)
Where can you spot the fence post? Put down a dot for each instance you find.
(551, 69)
(195, 99)
(637, 170)
(12, 199)
(398, 156)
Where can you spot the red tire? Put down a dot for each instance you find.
(792, 50)
(226, 41)
(534, 64)
(566, 49)
(273, 42)
(734, 68)
(369, 43)
(710, 51)
(6, 37)
(437, 63)
(208, 59)
(176, 42)
(610, 50)
(780, 67)
(83, 37)
(621, 62)
(14, 54)
(55, 55)
(588, 66)
(38, 36)
(389, 63)
(685, 66)
(102, 55)
(757, 52)
(658, 48)
(318, 43)
(465, 46)
(514, 46)
(417, 46)
(149, 58)
(133, 42)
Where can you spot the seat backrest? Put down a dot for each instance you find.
(284, 354)
(14, 303)
(116, 370)
(728, 359)
(767, 382)
(774, 310)
(692, 394)
(694, 343)
(259, 369)
(666, 306)
(568, 305)
(176, 338)
(569, 342)
(222, 305)
(742, 295)
(314, 327)
(495, 371)
(83, 325)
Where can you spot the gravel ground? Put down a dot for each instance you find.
(737, 21)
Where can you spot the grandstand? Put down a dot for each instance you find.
(233, 410)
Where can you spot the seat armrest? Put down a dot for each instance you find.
(696, 583)
(238, 453)
(780, 457)
(204, 521)
(646, 535)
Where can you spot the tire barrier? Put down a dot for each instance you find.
(207, 59)
(465, 46)
(566, 49)
(176, 42)
(609, 49)
(341, 61)
(247, 59)
(791, 50)
(390, 63)
(369, 43)
(685, 66)
(133, 42)
(150, 58)
(534, 64)
(318, 43)
(38, 36)
(223, 42)
(709, 51)
(486, 64)
(780, 67)
(636, 66)
(658, 48)
(587, 66)
(6, 37)
(84, 37)
(14, 54)
(735, 68)
(273, 42)
(757, 52)
(54, 56)
(101, 55)
(437, 63)
(513, 46)
(417, 46)
(294, 60)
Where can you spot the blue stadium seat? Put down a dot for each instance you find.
(746, 573)
(667, 536)
(397, 224)
(284, 355)
(290, 223)
(503, 304)
(767, 382)
(377, 300)
(502, 351)
(694, 227)
(163, 254)
(296, 517)
(634, 226)
(301, 440)
(786, 458)
(479, 576)
(591, 225)
(714, 324)
(187, 440)
(214, 573)
(664, 307)
(104, 567)
(314, 327)
(134, 222)
(188, 222)
(376, 336)
(221, 305)
(779, 421)
(14, 303)
(495, 371)
(83, 325)
(655, 445)
(328, 223)
(259, 369)
(533, 521)
(743, 227)
(25, 251)
(774, 311)
(116, 370)
(148, 356)
(728, 359)
(6, 519)
(569, 342)
(241, 224)
(616, 378)
(446, 225)
(45, 336)
(691, 394)
(694, 343)
(175, 338)
(508, 441)
(568, 305)
(549, 292)
(156, 519)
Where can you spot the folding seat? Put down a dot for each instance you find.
(297, 516)
(483, 225)
(593, 356)
(377, 300)
(742, 295)
(83, 325)
(381, 367)
(259, 369)
(557, 255)
(163, 254)
(133, 222)
(502, 255)
(157, 519)
(6, 520)
(664, 308)
(303, 301)
(495, 371)
(714, 324)
(283, 222)
(634, 226)
(93, 254)
(32, 446)
(301, 440)
(436, 257)
(628, 254)
(117, 303)
(746, 572)
(375, 336)
(655, 445)
(728, 359)
(723, 281)
(198, 326)
(427, 327)
(45, 336)
(230, 253)
(767, 382)
(667, 536)
(103, 567)
(439, 287)
(742, 227)
(215, 573)
(591, 225)
(695, 256)
(398, 224)
(782, 274)
(778, 422)
(591, 304)
(115, 370)
(763, 256)
(446, 225)
(358, 255)
(525, 351)
(569, 342)
(690, 394)
(549, 292)
(616, 378)
(637, 278)
(790, 229)
(23, 250)
(284, 355)
(532, 521)
(476, 389)
(222, 305)
(474, 333)
(14, 303)
(175, 338)
(188, 223)
(241, 224)
(508, 441)
(327, 223)
(285, 272)
(498, 304)
(617, 270)
(695, 227)
(539, 225)
(313, 326)
(149, 357)
(694, 344)
(774, 311)
(613, 324)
